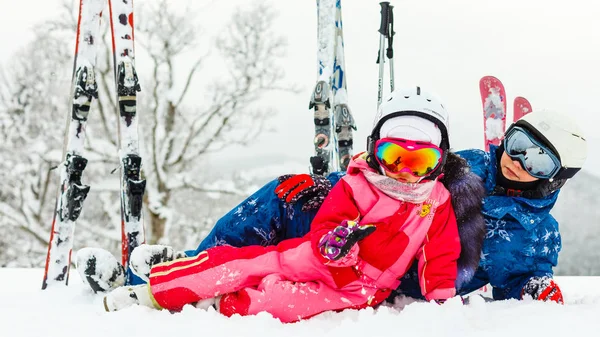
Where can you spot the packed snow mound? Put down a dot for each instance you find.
(75, 310)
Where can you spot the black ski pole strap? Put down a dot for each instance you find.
(384, 27)
(390, 33)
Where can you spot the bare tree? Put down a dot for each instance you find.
(181, 134)
(177, 130)
(28, 117)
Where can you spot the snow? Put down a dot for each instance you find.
(494, 128)
(76, 311)
(91, 13)
(326, 38)
(106, 266)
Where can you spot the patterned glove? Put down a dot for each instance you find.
(543, 288)
(311, 188)
(337, 242)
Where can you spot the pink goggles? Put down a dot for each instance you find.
(398, 155)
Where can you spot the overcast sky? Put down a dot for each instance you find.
(545, 50)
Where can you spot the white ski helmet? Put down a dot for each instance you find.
(411, 102)
(562, 135)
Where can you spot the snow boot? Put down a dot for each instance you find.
(124, 297)
(145, 256)
(99, 269)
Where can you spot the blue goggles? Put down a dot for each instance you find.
(536, 158)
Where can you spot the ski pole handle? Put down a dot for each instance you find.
(383, 30)
(385, 18)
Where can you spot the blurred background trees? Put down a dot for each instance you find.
(184, 118)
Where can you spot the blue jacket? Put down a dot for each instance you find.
(522, 238)
(261, 219)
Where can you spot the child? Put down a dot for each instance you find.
(523, 177)
(388, 210)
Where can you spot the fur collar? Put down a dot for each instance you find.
(467, 192)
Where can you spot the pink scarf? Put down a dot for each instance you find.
(408, 192)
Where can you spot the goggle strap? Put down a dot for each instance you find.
(370, 145)
(566, 172)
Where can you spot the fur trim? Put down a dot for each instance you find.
(467, 192)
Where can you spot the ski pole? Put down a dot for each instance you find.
(390, 49)
(383, 30)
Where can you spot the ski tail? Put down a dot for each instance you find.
(493, 99)
(72, 192)
(324, 160)
(333, 120)
(342, 120)
(321, 161)
(127, 86)
(521, 107)
(344, 125)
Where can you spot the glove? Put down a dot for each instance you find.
(310, 187)
(337, 242)
(543, 288)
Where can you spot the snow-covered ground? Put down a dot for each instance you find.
(25, 310)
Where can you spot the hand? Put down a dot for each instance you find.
(543, 288)
(312, 188)
(337, 242)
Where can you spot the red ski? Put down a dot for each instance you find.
(493, 99)
(72, 192)
(521, 107)
(133, 185)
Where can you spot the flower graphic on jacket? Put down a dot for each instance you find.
(497, 228)
(425, 209)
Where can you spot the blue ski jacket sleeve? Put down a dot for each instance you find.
(261, 219)
(522, 238)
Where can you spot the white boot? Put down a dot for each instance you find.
(124, 297)
(99, 269)
(145, 256)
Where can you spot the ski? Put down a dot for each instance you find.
(493, 99)
(521, 107)
(342, 117)
(72, 192)
(323, 161)
(127, 86)
(333, 120)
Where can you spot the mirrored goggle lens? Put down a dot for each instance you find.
(536, 158)
(418, 160)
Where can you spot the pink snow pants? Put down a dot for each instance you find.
(286, 280)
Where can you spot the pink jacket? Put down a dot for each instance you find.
(293, 281)
(405, 231)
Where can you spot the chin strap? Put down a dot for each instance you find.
(544, 189)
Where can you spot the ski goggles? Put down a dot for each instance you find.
(536, 158)
(397, 155)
